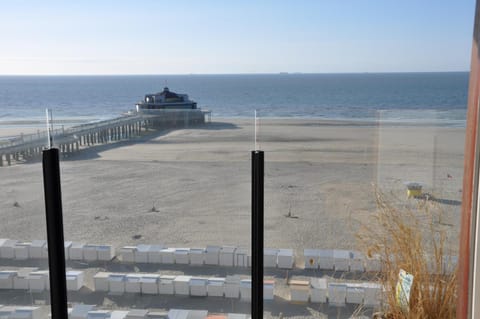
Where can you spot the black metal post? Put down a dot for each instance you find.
(257, 234)
(56, 245)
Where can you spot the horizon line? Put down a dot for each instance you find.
(259, 73)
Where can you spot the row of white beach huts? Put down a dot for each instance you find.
(226, 256)
(317, 290)
(154, 284)
(83, 311)
(34, 280)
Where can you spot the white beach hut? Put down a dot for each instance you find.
(100, 281)
(197, 314)
(318, 290)
(98, 314)
(27, 312)
(7, 248)
(197, 256)
(182, 256)
(157, 315)
(355, 293)
(118, 314)
(226, 256)
(6, 311)
(141, 253)
(127, 253)
(373, 263)
(299, 290)
(45, 251)
(178, 314)
(341, 259)
(35, 251)
(116, 284)
(37, 280)
(149, 284)
(76, 251)
(2, 241)
(133, 284)
(268, 287)
(105, 252)
(311, 258)
(337, 293)
(67, 245)
(357, 261)
(285, 258)
(166, 285)
(90, 253)
(232, 287)
(20, 281)
(20, 250)
(137, 314)
(325, 259)
(181, 284)
(212, 255)
(6, 279)
(270, 257)
(241, 257)
(168, 255)
(198, 286)
(216, 287)
(80, 311)
(246, 289)
(75, 280)
(372, 294)
(154, 256)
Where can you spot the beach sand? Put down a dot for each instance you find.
(321, 173)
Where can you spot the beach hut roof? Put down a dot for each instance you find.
(177, 314)
(228, 249)
(319, 283)
(270, 251)
(183, 278)
(197, 314)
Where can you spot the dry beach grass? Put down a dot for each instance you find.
(413, 239)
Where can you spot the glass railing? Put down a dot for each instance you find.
(157, 215)
(24, 271)
(161, 220)
(342, 199)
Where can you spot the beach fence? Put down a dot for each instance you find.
(72, 139)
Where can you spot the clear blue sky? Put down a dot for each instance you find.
(178, 37)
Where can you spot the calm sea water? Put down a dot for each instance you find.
(439, 97)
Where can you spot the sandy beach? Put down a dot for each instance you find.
(321, 173)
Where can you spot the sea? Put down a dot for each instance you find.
(439, 98)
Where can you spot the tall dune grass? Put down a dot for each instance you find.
(412, 239)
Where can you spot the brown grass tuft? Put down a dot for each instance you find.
(413, 240)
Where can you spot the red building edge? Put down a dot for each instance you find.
(469, 178)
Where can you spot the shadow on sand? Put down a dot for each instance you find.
(430, 197)
(92, 152)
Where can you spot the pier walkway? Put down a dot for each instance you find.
(69, 140)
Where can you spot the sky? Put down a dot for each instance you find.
(218, 37)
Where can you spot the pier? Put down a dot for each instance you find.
(73, 139)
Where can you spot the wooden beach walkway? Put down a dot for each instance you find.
(69, 140)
